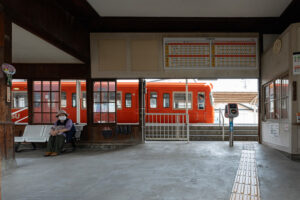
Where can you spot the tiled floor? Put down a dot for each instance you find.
(246, 185)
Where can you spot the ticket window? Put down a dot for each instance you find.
(201, 101)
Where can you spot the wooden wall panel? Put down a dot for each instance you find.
(112, 55)
(145, 55)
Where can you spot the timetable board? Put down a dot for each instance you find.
(186, 53)
(193, 53)
(234, 53)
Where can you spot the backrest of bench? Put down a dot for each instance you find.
(47, 129)
(33, 131)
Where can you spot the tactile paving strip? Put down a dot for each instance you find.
(246, 186)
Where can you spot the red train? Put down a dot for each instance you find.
(160, 97)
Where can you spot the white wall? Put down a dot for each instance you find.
(283, 134)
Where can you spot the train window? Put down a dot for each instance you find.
(104, 102)
(119, 100)
(128, 100)
(166, 100)
(74, 102)
(83, 101)
(63, 99)
(153, 99)
(201, 101)
(20, 99)
(179, 100)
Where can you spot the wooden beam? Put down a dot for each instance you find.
(291, 14)
(186, 24)
(80, 9)
(51, 71)
(48, 20)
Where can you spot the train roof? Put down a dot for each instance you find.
(135, 84)
(164, 84)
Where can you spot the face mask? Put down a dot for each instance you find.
(62, 118)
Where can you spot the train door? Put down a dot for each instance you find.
(130, 110)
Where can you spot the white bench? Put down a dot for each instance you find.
(79, 129)
(40, 134)
(34, 134)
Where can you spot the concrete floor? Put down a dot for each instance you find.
(153, 171)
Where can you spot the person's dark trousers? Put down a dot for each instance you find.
(55, 143)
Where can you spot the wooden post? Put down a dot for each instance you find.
(142, 108)
(6, 125)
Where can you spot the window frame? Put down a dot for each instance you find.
(204, 108)
(181, 92)
(83, 100)
(121, 98)
(130, 100)
(51, 102)
(13, 99)
(61, 105)
(155, 98)
(108, 102)
(169, 100)
(276, 100)
(74, 98)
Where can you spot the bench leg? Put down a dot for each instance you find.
(17, 147)
(73, 144)
(33, 146)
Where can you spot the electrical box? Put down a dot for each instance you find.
(231, 110)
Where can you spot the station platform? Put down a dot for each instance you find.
(152, 171)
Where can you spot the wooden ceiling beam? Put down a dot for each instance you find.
(51, 22)
(186, 24)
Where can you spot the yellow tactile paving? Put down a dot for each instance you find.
(246, 186)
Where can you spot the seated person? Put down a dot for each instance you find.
(63, 128)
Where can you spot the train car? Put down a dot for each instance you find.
(170, 98)
(19, 102)
(127, 102)
(160, 98)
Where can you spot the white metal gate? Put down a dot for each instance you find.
(166, 126)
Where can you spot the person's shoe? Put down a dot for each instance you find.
(47, 154)
(54, 154)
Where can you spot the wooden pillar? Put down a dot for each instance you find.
(6, 125)
(89, 97)
(260, 103)
(141, 108)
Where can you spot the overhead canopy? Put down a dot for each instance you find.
(234, 97)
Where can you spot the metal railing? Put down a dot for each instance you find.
(165, 126)
(221, 116)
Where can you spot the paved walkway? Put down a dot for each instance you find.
(153, 171)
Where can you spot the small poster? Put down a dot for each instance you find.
(296, 63)
(274, 129)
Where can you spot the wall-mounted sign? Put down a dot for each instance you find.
(296, 63)
(9, 70)
(197, 53)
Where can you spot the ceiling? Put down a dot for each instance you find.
(29, 48)
(189, 8)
